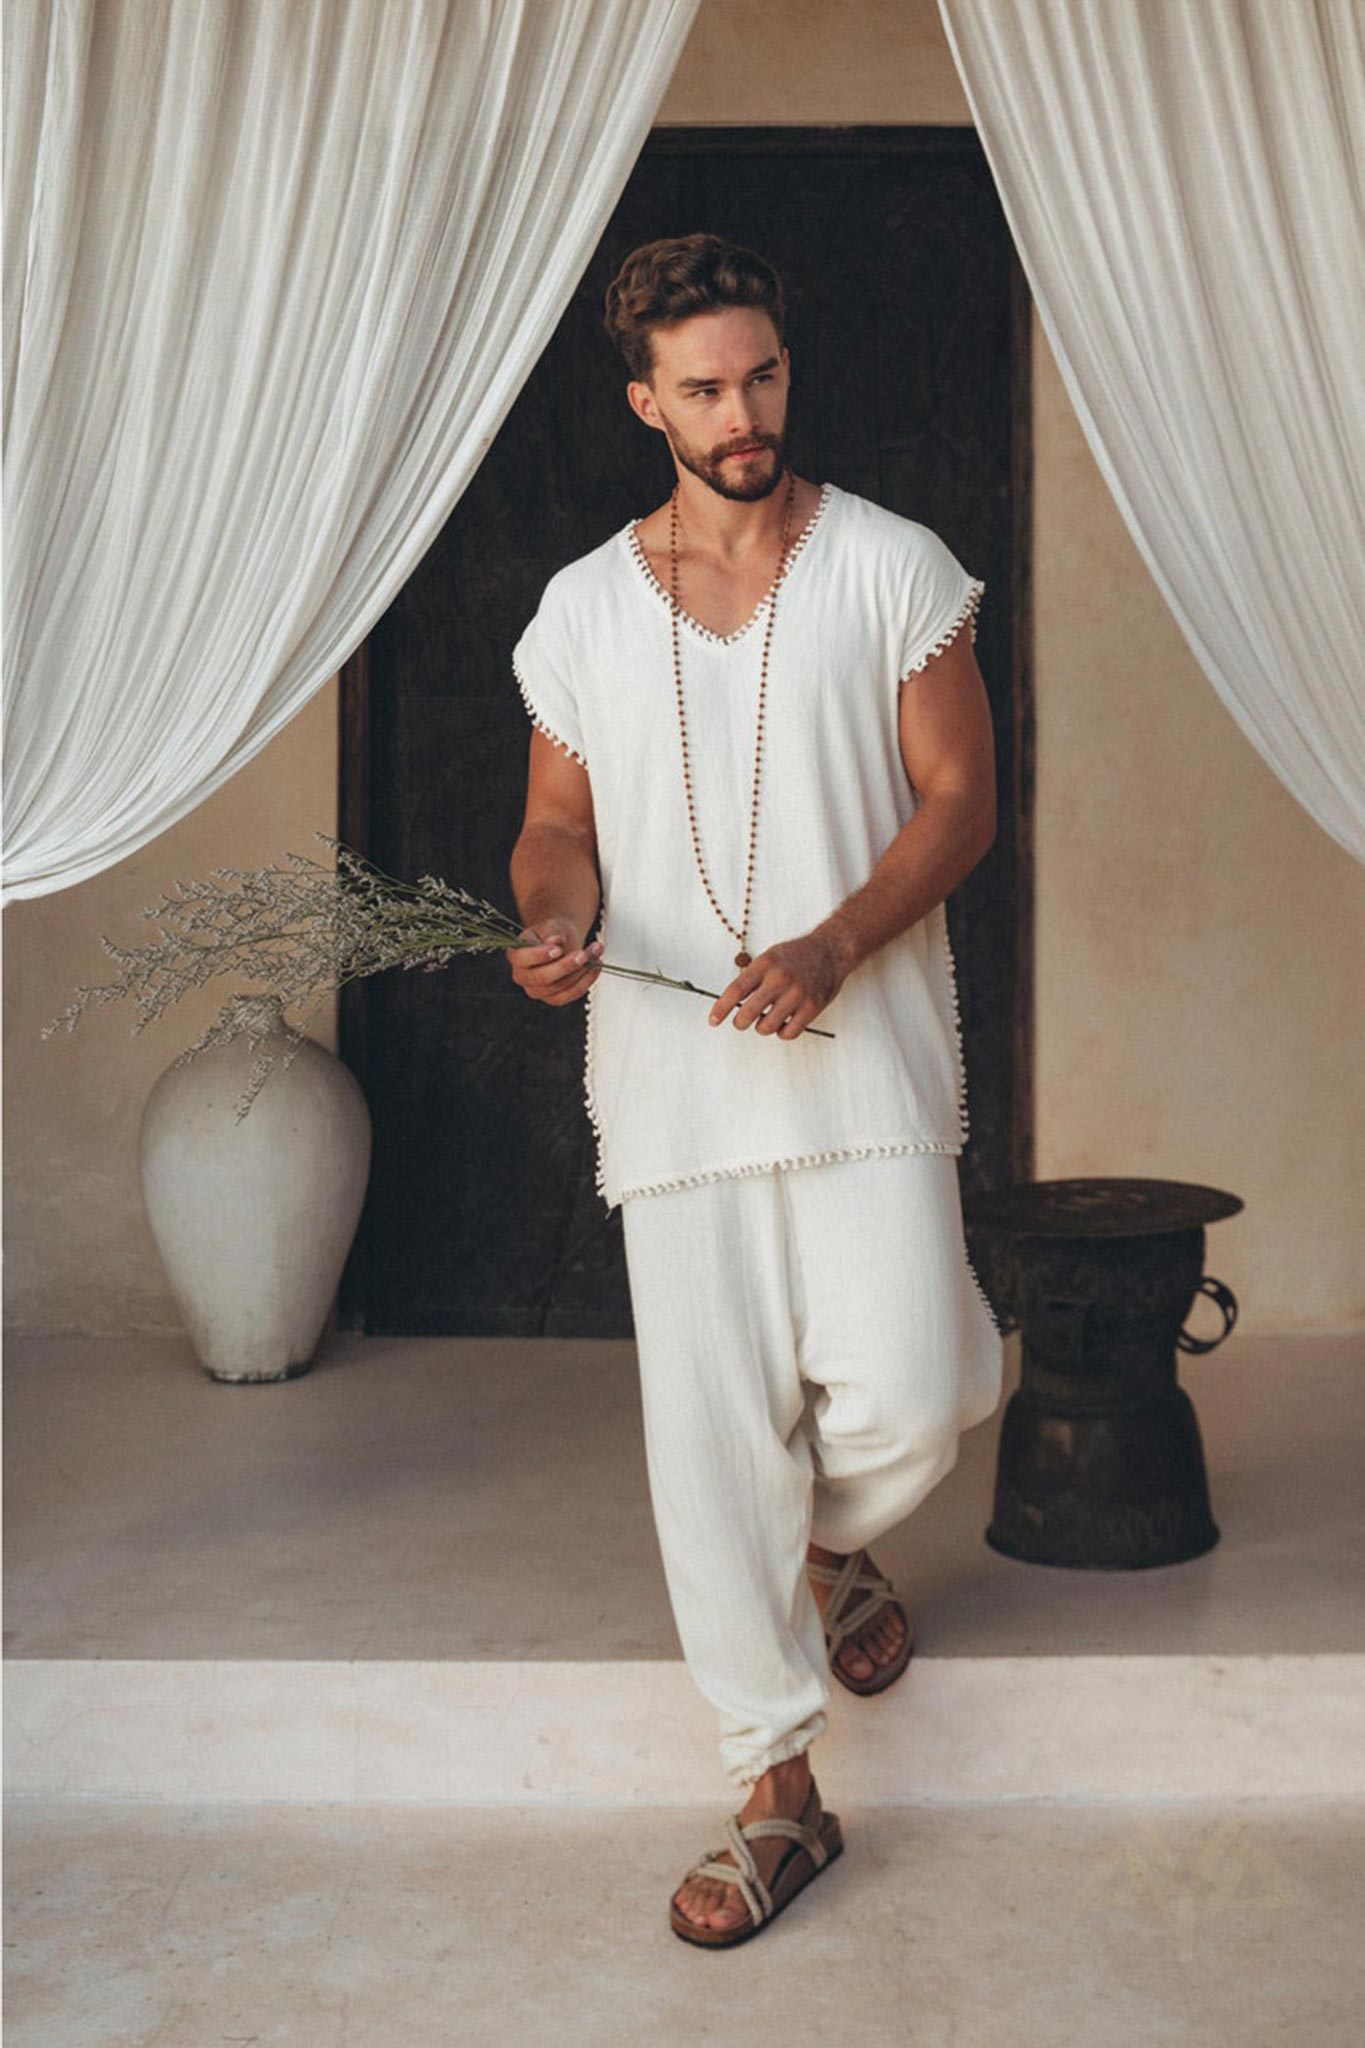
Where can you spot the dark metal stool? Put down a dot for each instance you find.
(1101, 1464)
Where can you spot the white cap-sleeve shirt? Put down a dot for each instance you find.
(868, 597)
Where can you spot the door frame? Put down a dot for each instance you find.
(354, 763)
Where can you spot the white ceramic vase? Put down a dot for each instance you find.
(253, 1218)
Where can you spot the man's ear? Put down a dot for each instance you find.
(638, 394)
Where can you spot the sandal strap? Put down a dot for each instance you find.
(743, 1872)
(845, 1579)
(827, 1574)
(846, 1574)
(855, 1618)
(798, 1831)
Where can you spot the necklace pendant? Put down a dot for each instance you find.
(742, 959)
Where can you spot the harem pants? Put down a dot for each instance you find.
(811, 1340)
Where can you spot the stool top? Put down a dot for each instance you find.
(1094, 1207)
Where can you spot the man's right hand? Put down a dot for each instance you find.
(559, 969)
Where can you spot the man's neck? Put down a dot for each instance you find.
(734, 528)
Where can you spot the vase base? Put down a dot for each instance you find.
(237, 1379)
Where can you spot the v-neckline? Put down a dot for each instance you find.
(630, 535)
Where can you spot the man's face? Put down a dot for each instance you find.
(720, 385)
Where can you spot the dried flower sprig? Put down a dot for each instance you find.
(305, 930)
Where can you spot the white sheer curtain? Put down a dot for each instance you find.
(1185, 184)
(275, 272)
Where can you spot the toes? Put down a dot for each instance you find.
(887, 1643)
(890, 1635)
(875, 1644)
(709, 1903)
(717, 1898)
(696, 1900)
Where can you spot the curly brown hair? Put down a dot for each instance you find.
(665, 281)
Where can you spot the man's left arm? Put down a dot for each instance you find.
(947, 745)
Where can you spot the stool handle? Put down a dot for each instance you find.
(1226, 1300)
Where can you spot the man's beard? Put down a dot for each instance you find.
(745, 481)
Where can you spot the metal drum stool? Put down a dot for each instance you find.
(1101, 1464)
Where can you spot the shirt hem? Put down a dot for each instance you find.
(733, 1169)
(737, 1169)
(856, 1150)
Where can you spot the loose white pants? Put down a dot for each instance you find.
(812, 1340)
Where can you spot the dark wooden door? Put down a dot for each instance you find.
(908, 329)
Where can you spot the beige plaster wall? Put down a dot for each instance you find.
(79, 1255)
(1200, 939)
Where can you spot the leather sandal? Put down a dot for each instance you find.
(841, 1622)
(816, 1840)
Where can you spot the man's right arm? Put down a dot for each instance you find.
(554, 877)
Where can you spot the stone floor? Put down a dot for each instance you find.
(1037, 1925)
(459, 1532)
(486, 1498)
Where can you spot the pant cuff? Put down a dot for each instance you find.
(747, 1771)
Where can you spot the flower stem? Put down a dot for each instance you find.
(668, 981)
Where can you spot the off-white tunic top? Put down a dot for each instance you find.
(868, 597)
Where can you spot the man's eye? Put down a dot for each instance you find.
(708, 390)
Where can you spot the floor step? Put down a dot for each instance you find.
(952, 1728)
(428, 1569)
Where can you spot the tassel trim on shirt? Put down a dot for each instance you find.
(736, 1171)
(966, 616)
(632, 539)
(536, 718)
(588, 1096)
(962, 1115)
(946, 945)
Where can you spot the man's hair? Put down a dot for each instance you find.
(666, 281)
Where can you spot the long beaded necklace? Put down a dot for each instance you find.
(742, 957)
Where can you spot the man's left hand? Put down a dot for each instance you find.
(786, 988)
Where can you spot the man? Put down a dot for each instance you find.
(756, 709)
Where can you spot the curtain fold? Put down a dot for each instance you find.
(275, 273)
(1185, 185)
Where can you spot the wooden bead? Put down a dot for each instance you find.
(742, 958)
